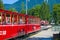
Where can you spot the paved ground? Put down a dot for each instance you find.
(44, 33)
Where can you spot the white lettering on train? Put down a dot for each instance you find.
(2, 32)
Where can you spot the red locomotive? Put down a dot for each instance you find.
(13, 24)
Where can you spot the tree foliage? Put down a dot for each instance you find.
(13, 10)
(45, 12)
(1, 5)
(23, 11)
(41, 11)
(35, 11)
(56, 13)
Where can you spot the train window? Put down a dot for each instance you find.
(37, 21)
(30, 20)
(8, 19)
(22, 20)
(14, 19)
(3, 19)
(33, 20)
(20, 17)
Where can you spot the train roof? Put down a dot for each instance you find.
(16, 13)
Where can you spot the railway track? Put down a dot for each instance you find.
(25, 37)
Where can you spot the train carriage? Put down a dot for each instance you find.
(13, 24)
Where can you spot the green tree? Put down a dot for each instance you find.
(35, 11)
(1, 5)
(45, 12)
(23, 11)
(56, 13)
(13, 10)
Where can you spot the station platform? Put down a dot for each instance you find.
(43, 34)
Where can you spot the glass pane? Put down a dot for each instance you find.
(14, 19)
(3, 19)
(8, 19)
(22, 20)
(30, 20)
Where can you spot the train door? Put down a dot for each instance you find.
(22, 27)
(34, 24)
(34, 27)
(30, 24)
(37, 22)
(15, 25)
(7, 24)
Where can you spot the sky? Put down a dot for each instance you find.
(9, 1)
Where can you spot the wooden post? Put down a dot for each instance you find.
(17, 19)
(26, 20)
(13, 19)
(10, 18)
(5, 17)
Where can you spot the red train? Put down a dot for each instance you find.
(13, 24)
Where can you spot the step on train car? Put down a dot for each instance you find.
(13, 24)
